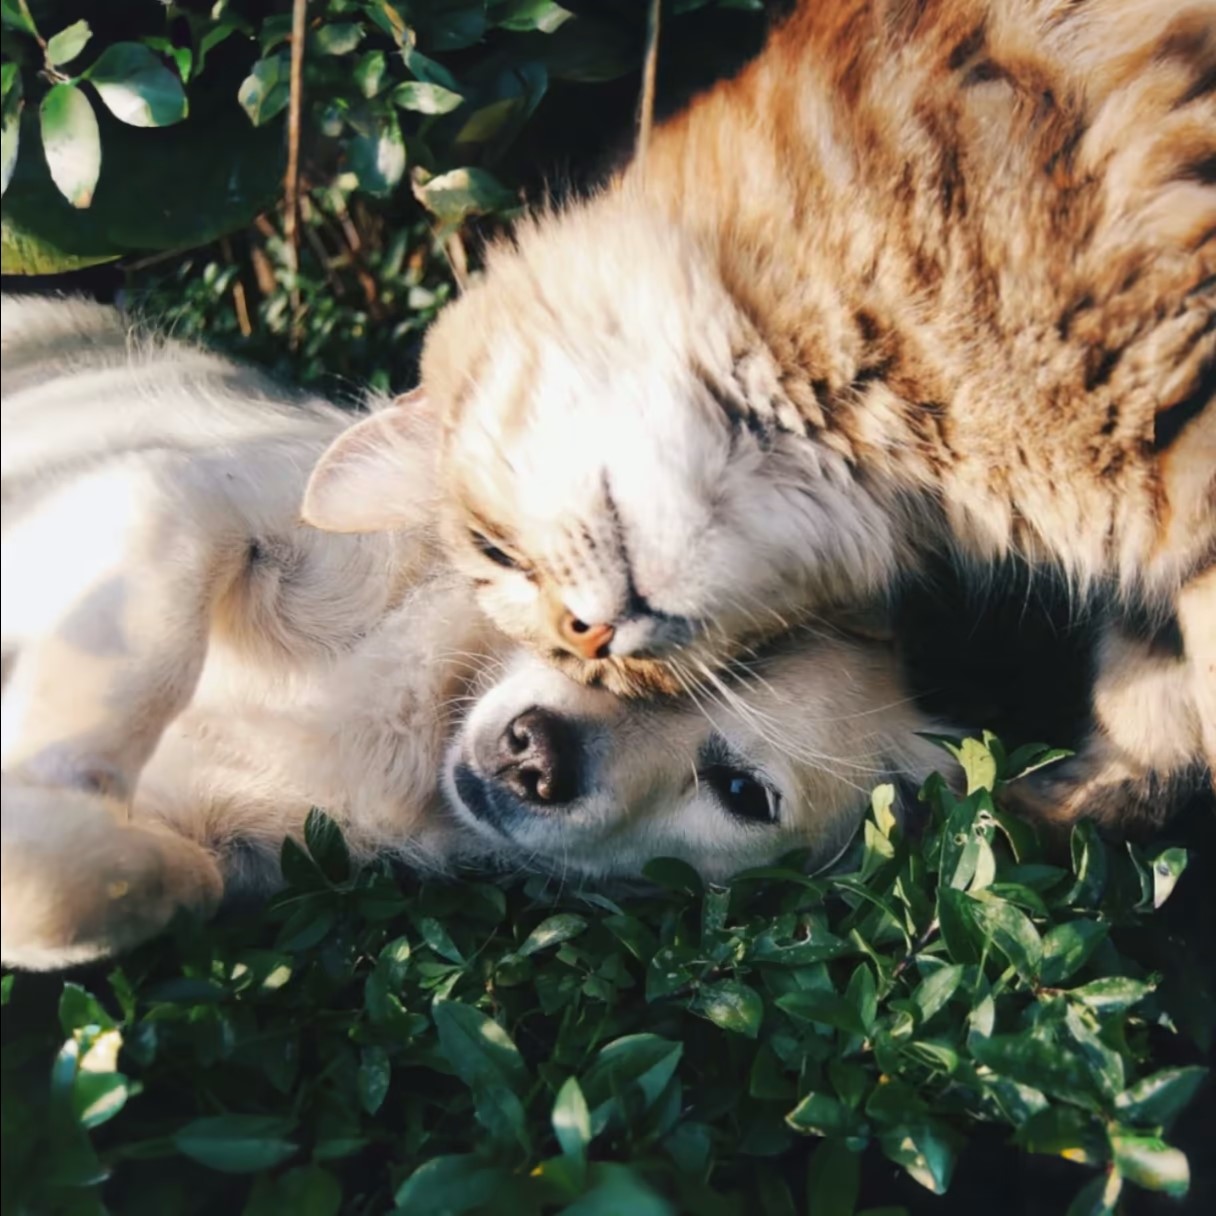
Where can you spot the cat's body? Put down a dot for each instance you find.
(923, 275)
(187, 670)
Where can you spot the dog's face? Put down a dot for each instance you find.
(568, 779)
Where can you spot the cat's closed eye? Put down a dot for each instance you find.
(487, 548)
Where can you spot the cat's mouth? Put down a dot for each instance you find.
(623, 677)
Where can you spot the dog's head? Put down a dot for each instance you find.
(557, 776)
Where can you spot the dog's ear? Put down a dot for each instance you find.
(378, 475)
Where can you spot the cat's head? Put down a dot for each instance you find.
(620, 474)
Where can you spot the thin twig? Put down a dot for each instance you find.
(650, 66)
(291, 182)
(239, 301)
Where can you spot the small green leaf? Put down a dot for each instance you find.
(79, 1008)
(375, 1075)
(1112, 994)
(236, 1144)
(1098, 1197)
(641, 1062)
(571, 1119)
(99, 1096)
(1151, 1163)
(669, 872)
(371, 73)
(264, 93)
(1167, 869)
(451, 1186)
(377, 153)
(1067, 948)
(1012, 932)
(834, 1180)
(324, 840)
(934, 991)
(425, 98)
(618, 1190)
(978, 764)
(337, 38)
(958, 927)
(452, 198)
(1157, 1099)
(927, 1150)
(486, 1060)
(819, 1114)
(71, 142)
(731, 1005)
(825, 1007)
(16, 15)
(68, 43)
(136, 87)
(551, 932)
(439, 939)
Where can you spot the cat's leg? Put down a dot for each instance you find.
(1140, 761)
(1197, 621)
(107, 597)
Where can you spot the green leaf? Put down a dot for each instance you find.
(68, 43)
(265, 92)
(136, 87)
(425, 98)
(486, 1060)
(551, 932)
(16, 15)
(1112, 994)
(1167, 869)
(337, 38)
(375, 1075)
(617, 1190)
(1012, 932)
(6, 988)
(1157, 1099)
(927, 1150)
(936, 989)
(543, 15)
(324, 840)
(731, 1005)
(1089, 864)
(819, 1114)
(377, 153)
(98, 1096)
(79, 1008)
(1151, 1163)
(71, 142)
(371, 73)
(1067, 948)
(307, 1190)
(1098, 1197)
(1030, 758)
(571, 1119)
(638, 1063)
(1041, 1060)
(825, 1007)
(978, 764)
(450, 1186)
(236, 1144)
(668, 872)
(439, 939)
(834, 1180)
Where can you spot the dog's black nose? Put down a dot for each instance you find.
(538, 758)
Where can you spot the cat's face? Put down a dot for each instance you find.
(571, 780)
(618, 471)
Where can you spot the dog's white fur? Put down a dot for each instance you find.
(188, 669)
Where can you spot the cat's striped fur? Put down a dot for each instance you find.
(926, 273)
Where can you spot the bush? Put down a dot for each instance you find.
(373, 1047)
(157, 133)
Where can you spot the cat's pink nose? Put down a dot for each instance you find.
(585, 641)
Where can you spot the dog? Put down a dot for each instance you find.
(188, 669)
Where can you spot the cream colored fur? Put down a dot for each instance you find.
(188, 669)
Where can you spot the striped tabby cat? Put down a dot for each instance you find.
(928, 274)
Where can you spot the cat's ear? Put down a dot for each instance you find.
(378, 475)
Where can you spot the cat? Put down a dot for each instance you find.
(927, 275)
(187, 670)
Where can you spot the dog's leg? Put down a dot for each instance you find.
(107, 597)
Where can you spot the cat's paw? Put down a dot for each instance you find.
(79, 881)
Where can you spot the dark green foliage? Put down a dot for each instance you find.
(367, 1046)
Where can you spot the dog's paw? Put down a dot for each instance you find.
(79, 881)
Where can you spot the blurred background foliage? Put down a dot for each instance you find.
(149, 141)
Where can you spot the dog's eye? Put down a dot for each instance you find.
(487, 548)
(742, 794)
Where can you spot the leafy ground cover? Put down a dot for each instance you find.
(373, 1044)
